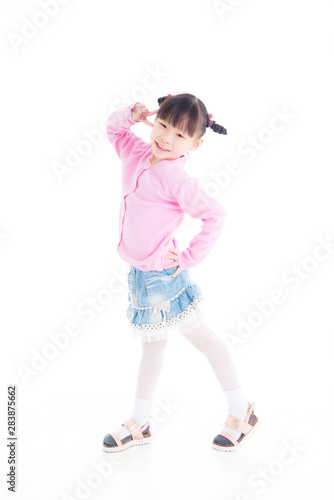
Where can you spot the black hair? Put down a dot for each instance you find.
(187, 112)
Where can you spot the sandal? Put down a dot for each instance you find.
(138, 436)
(225, 442)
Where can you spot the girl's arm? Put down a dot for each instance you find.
(193, 200)
(119, 133)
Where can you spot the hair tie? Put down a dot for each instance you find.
(210, 121)
(166, 96)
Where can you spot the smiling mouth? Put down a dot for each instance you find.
(162, 149)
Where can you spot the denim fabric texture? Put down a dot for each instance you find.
(157, 299)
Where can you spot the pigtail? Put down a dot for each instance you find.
(218, 128)
(215, 126)
(162, 99)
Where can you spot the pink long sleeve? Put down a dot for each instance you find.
(193, 200)
(119, 133)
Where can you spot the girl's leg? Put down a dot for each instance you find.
(206, 341)
(150, 368)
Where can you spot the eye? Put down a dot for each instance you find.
(166, 127)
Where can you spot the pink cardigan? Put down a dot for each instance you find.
(154, 201)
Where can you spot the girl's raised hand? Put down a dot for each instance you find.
(139, 113)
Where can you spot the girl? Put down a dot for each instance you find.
(156, 193)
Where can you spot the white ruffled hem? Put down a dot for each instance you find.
(185, 321)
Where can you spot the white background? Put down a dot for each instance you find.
(247, 60)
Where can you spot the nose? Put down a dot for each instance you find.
(165, 138)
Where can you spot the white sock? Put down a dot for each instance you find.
(237, 407)
(141, 413)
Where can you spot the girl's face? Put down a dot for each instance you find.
(169, 143)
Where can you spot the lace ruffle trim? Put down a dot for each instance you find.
(159, 331)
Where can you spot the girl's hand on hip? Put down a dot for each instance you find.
(139, 112)
(173, 255)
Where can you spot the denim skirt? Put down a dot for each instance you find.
(159, 303)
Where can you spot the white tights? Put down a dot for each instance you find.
(150, 368)
(205, 340)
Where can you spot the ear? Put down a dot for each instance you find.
(196, 144)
